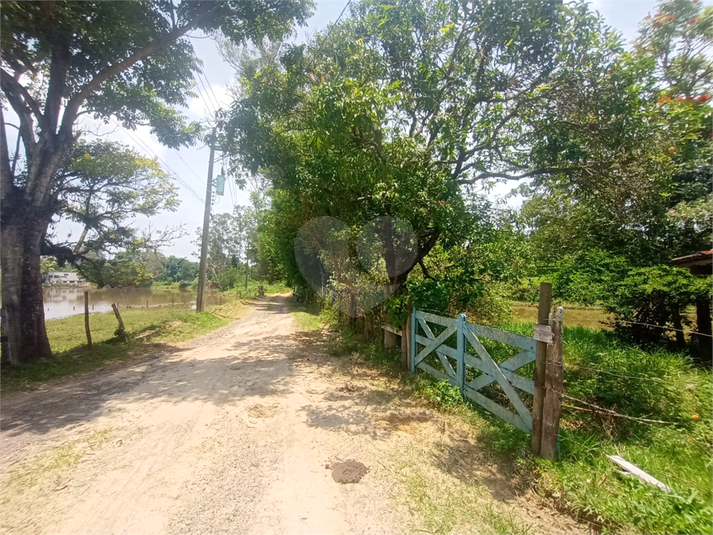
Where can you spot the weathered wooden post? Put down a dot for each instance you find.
(460, 350)
(406, 345)
(86, 319)
(538, 399)
(118, 317)
(554, 383)
(413, 349)
(389, 336)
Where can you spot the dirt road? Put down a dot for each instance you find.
(238, 432)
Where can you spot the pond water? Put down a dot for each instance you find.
(63, 302)
(592, 317)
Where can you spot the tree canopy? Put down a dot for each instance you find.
(395, 110)
(63, 60)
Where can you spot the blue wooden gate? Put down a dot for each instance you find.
(466, 363)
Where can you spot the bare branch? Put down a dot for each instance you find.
(525, 174)
(18, 97)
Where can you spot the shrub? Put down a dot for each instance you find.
(657, 295)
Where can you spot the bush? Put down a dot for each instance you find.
(656, 295)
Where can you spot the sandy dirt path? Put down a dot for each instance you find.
(237, 433)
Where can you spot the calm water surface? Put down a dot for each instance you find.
(63, 302)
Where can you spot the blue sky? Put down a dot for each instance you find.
(190, 165)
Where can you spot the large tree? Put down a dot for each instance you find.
(393, 111)
(62, 60)
(635, 141)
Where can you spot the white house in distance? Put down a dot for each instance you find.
(63, 277)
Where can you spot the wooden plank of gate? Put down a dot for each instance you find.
(498, 410)
(446, 350)
(497, 373)
(518, 361)
(435, 343)
(435, 373)
(518, 381)
(508, 368)
(511, 339)
(441, 356)
(440, 320)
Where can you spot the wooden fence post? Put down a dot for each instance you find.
(389, 339)
(413, 349)
(406, 342)
(460, 350)
(86, 319)
(118, 316)
(554, 383)
(540, 365)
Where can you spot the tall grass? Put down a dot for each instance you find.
(602, 369)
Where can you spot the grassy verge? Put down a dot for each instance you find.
(311, 318)
(603, 370)
(147, 330)
(252, 290)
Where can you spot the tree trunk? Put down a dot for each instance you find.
(703, 326)
(678, 325)
(24, 321)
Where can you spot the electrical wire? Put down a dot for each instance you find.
(329, 31)
(188, 166)
(210, 88)
(138, 141)
(206, 100)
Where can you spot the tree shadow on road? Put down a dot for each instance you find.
(256, 368)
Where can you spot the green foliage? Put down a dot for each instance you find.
(230, 278)
(630, 155)
(180, 270)
(658, 295)
(443, 394)
(115, 273)
(393, 114)
(103, 186)
(93, 37)
(587, 277)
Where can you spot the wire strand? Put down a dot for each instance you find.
(138, 140)
(210, 88)
(664, 327)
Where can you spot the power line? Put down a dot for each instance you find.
(206, 100)
(210, 88)
(326, 37)
(188, 166)
(149, 149)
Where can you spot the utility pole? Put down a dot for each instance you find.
(200, 301)
(247, 268)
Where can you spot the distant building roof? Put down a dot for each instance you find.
(700, 263)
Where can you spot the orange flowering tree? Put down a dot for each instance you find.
(635, 140)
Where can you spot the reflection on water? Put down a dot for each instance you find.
(62, 302)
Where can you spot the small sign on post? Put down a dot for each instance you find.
(543, 333)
